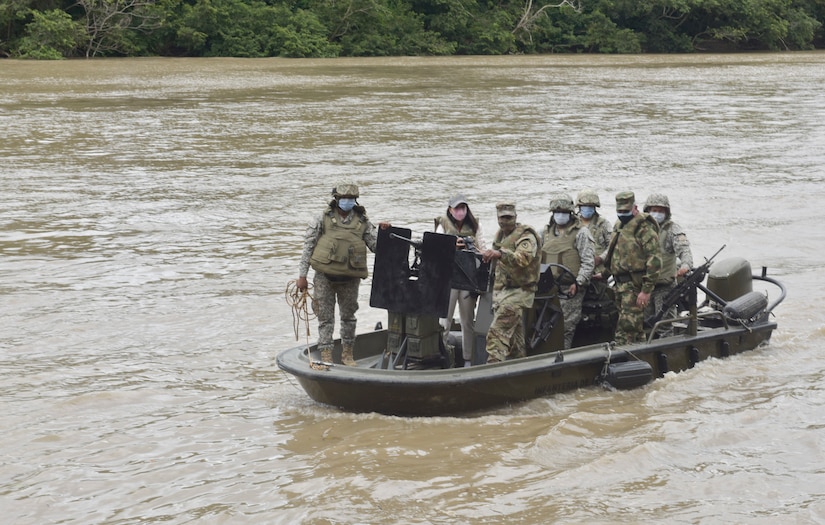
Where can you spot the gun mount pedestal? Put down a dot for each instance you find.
(414, 341)
(415, 294)
(412, 281)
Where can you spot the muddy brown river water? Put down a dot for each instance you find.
(151, 213)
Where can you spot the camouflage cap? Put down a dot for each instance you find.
(561, 202)
(625, 201)
(505, 209)
(588, 198)
(345, 188)
(657, 199)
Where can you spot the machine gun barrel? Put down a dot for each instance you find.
(691, 281)
(415, 244)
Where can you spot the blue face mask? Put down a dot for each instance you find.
(587, 211)
(346, 204)
(561, 217)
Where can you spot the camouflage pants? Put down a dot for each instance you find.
(657, 299)
(572, 310)
(630, 326)
(505, 339)
(325, 293)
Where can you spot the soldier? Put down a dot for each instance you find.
(588, 201)
(634, 258)
(460, 221)
(335, 245)
(567, 241)
(516, 250)
(675, 250)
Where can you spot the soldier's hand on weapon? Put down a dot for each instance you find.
(573, 290)
(301, 284)
(384, 225)
(466, 243)
(682, 271)
(642, 299)
(597, 277)
(489, 255)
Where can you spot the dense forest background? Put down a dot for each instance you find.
(54, 29)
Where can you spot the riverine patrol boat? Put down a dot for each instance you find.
(408, 370)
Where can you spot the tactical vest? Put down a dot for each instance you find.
(668, 274)
(341, 250)
(627, 255)
(450, 229)
(561, 249)
(509, 276)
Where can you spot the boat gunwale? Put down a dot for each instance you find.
(294, 361)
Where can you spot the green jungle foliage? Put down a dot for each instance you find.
(54, 29)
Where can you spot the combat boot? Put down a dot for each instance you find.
(326, 355)
(325, 362)
(346, 356)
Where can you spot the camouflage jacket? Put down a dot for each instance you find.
(636, 252)
(676, 252)
(517, 271)
(601, 231)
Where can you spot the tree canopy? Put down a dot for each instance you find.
(53, 29)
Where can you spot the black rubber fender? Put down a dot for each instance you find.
(746, 307)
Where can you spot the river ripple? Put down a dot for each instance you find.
(152, 212)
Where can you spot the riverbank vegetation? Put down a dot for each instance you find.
(54, 29)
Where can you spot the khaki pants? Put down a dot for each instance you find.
(467, 311)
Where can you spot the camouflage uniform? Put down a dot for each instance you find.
(516, 279)
(676, 254)
(601, 232)
(573, 247)
(326, 287)
(635, 261)
(599, 226)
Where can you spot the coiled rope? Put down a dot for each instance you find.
(301, 302)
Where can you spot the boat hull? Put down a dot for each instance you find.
(366, 388)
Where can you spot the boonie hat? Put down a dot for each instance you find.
(625, 201)
(504, 209)
(457, 199)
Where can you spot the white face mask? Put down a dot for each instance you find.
(659, 216)
(587, 211)
(561, 217)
